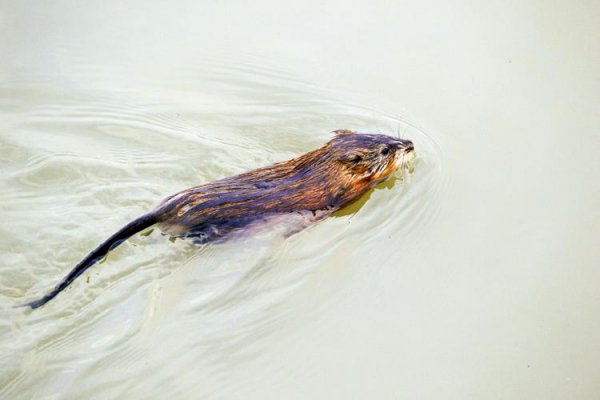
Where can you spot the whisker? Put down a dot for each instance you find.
(377, 127)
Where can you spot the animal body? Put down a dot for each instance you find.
(312, 186)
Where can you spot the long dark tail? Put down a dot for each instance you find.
(115, 240)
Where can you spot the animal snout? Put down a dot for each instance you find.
(407, 145)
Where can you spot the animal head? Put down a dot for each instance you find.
(370, 157)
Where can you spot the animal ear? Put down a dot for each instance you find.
(342, 132)
(351, 159)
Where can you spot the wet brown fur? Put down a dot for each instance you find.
(323, 179)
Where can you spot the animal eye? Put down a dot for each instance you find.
(357, 159)
(385, 151)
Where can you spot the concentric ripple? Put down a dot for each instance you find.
(76, 169)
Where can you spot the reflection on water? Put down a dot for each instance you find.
(463, 277)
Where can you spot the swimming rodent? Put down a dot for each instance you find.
(313, 186)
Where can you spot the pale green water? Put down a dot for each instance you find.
(474, 278)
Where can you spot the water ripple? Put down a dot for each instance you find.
(79, 169)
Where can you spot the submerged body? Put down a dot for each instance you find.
(311, 186)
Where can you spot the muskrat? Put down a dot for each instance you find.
(313, 185)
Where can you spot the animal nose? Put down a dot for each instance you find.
(409, 146)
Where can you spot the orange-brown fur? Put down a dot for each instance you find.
(323, 179)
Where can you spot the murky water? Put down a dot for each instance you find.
(476, 276)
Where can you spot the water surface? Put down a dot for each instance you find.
(473, 277)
